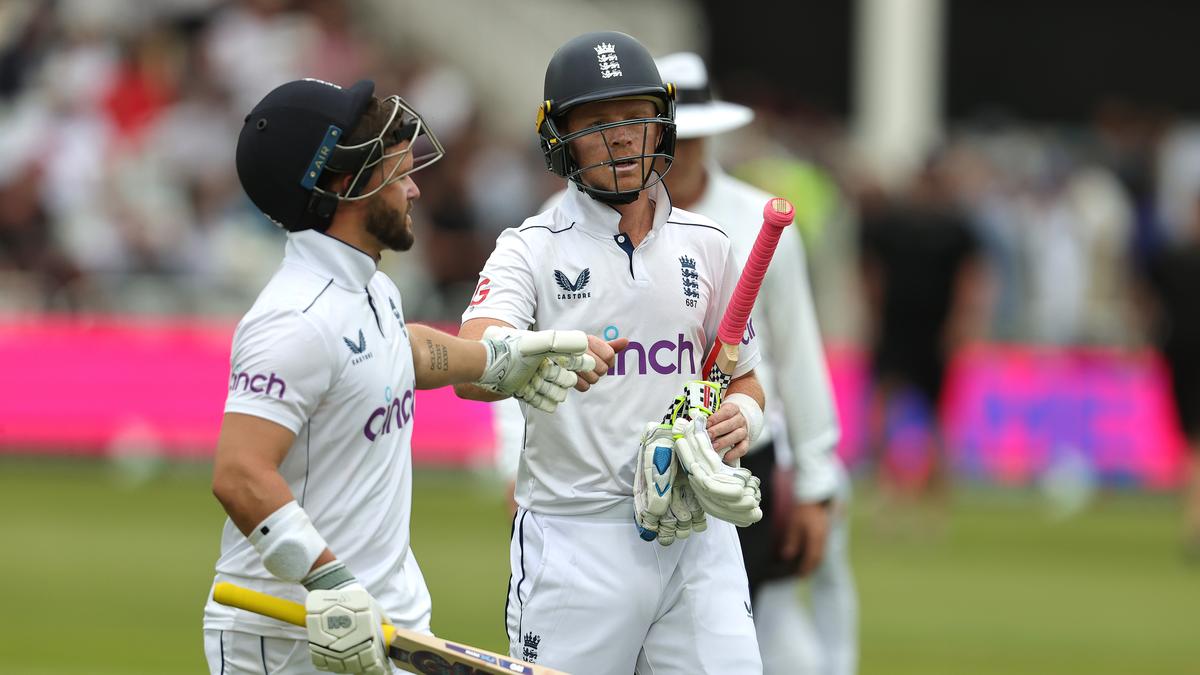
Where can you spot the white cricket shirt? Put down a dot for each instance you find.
(325, 353)
(570, 267)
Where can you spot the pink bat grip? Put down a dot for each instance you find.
(777, 214)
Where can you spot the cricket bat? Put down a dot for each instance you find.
(722, 358)
(409, 650)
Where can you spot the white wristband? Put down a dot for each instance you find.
(287, 542)
(750, 410)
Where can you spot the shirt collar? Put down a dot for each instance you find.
(596, 217)
(349, 267)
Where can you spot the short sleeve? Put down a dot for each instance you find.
(748, 354)
(506, 290)
(280, 369)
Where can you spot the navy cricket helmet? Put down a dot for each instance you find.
(305, 128)
(600, 66)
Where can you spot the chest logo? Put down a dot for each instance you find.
(691, 281)
(358, 350)
(572, 291)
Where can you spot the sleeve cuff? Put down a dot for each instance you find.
(816, 469)
(279, 417)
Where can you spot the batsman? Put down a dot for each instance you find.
(589, 594)
(314, 461)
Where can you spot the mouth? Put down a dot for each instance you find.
(625, 165)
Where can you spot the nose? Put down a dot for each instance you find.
(414, 192)
(625, 135)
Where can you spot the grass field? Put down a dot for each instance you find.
(101, 576)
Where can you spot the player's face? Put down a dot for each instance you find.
(389, 213)
(614, 153)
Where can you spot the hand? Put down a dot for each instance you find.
(731, 494)
(729, 432)
(345, 631)
(535, 367)
(605, 356)
(653, 481)
(804, 534)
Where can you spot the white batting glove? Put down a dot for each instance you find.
(731, 494)
(536, 367)
(653, 480)
(345, 633)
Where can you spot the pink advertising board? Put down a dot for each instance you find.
(92, 385)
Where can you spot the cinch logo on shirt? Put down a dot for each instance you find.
(573, 291)
(400, 409)
(257, 383)
(664, 357)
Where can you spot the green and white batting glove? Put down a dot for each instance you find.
(345, 623)
(725, 492)
(653, 480)
(536, 367)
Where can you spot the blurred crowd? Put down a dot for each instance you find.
(118, 120)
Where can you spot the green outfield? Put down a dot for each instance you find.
(104, 576)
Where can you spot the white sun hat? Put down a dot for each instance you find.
(697, 114)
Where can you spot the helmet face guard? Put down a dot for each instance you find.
(559, 160)
(361, 160)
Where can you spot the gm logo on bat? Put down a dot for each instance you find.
(433, 664)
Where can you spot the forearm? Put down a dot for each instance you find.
(246, 479)
(440, 359)
(749, 385)
(250, 493)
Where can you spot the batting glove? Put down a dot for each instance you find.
(725, 492)
(345, 631)
(535, 367)
(653, 480)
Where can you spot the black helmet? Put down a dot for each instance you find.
(595, 67)
(299, 130)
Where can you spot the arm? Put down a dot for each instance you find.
(806, 401)
(246, 476)
(440, 359)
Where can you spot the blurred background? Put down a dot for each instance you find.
(1000, 204)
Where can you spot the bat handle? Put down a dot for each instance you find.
(271, 606)
(777, 214)
(259, 603)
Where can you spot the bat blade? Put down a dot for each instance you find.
(409, 650)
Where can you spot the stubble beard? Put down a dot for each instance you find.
(390, 226)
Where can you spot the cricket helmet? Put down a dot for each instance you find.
(601, 66)
(305, 128)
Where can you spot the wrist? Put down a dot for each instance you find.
(750, 410)
(287, 542)
(330, 576)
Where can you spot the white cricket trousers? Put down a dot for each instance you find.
(588, 596)
(235, 653)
